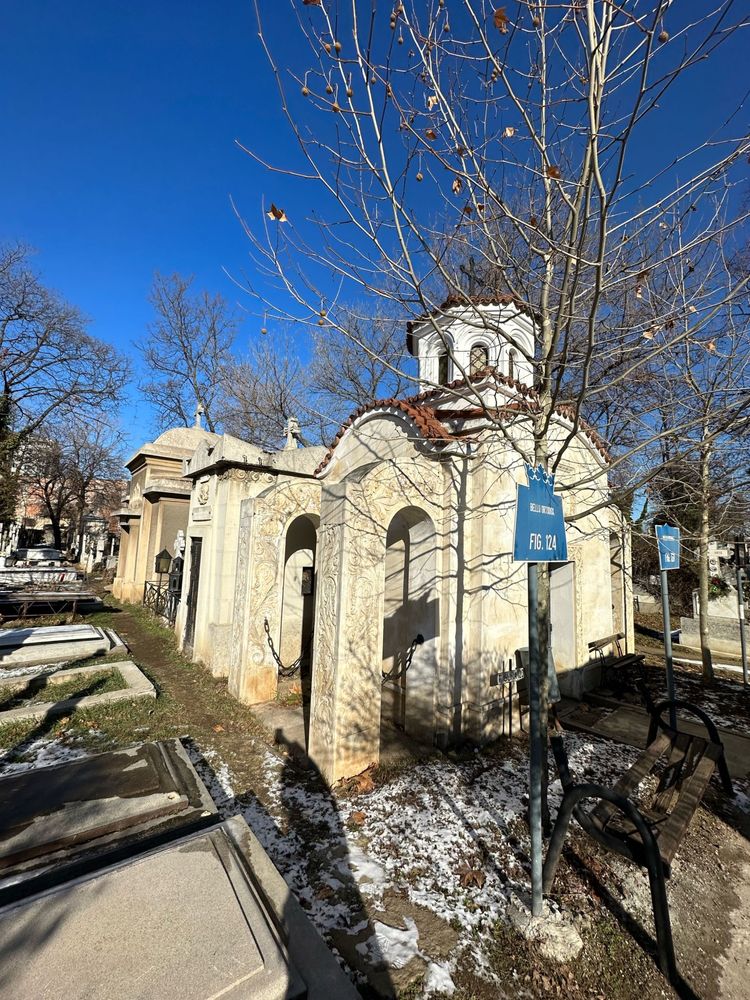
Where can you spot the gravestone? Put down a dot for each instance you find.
(20, 647)
(67, 815)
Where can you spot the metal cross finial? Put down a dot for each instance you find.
(470, 273)
(199, 411)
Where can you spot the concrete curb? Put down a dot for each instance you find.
(138, 686)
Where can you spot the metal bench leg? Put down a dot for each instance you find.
(726, 778)
(663, 924)
(559, 834)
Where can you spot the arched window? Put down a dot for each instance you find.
(478, 359)
(443, 368)
(512, 364)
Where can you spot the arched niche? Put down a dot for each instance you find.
(298, 594)
(410, 613)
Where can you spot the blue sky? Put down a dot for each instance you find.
(117, 145)
(117, 126)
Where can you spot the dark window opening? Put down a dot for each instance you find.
(479, 359)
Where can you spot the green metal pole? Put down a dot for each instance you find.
(535, 748)
(668, 647)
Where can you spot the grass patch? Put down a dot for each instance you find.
(38, 690)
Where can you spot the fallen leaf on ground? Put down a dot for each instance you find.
(469, 876)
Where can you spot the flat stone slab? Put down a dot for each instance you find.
(137, 686)
(200, 918)
(55, 816)
(52, 644)
(44, 575)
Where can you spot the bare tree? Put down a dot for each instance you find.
(186, 352)
(49, 365)
(699, 389)
(439, 132)
(262, 392)
(355, 367)
(69, 468)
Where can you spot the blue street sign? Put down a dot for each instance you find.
(668, 541)
(540, 526)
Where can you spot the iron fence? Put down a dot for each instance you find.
(161, 600)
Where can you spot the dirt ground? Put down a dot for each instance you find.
(301, 825)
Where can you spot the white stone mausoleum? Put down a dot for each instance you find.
(394, 545)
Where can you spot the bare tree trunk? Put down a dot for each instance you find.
(705, 472)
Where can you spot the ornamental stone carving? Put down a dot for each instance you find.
(260, 596)
(247, 476)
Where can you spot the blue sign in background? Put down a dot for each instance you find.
(540, 524)
(668, 541)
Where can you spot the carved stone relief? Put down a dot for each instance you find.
(247, 476)
(265, 567)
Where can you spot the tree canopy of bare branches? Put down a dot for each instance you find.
(187, 351)
(49, 365)
(519, 138)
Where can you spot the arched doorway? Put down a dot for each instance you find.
(298, 601)
(410, 625)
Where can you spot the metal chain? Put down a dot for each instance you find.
(396, 675)
(292, 669)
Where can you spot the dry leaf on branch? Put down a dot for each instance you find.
(469, 876)
(312, 3)
(500, 20)
(277, 213)
(553, 172)
(431, 101)
(430, 134)
(457, 185)
(508, 132)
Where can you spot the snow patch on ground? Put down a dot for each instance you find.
(416, 836)
(40, 753)
(35, 670)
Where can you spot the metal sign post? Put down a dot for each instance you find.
(668, 543)
(539, 536)
(740, 561)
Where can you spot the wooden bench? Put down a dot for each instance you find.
(618, 663)
(648, 835)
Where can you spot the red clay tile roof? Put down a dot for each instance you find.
(423, 417)
(428, 419)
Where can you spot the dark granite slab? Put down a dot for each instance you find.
(52, 818)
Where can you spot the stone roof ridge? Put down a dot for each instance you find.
(427, 423)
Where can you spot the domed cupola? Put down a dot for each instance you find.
(473, 334)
